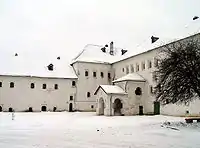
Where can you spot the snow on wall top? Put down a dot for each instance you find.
(94, 54)
(35, 65)
(130, 77)
(111, 89)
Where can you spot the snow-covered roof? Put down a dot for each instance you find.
(93, 54)
(34, 65)
(131, 77)
(192, 28)
(111, 89)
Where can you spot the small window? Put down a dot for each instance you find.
(56, 86)
(137, 67)
(127, 70)
(143, 65)
(94, 74)
(122, 69)
(155, 62)
(167, 101)
(132, 69)
(0, 84)
(71, 98)
(86, 73)
(138, 91)
(150, 64)
(92, 106)
(151, 89)
(88, 94)
(32, 85)
(102, 74)
(109, 76)
(44, 86)
(73, 83)
(12, 85)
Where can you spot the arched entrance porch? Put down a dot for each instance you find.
(117, 106)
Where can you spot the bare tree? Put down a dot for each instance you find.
(178, 72)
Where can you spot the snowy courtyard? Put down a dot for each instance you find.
(86, 130)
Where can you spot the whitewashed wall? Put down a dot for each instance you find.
(89, 83)
(21, 97)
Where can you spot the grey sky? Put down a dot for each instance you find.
(66, 26)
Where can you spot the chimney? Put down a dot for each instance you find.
(111, 48)
(154, 39)
(123, 51)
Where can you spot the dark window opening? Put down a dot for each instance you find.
(30, 109)
(187, 112)
(88, 94)
(109, 76)
(56, 86)
(50, 67)
(44, 86)
(73, 83)
(32, 85)
(102, 74)
(1, 109)
(94, 74)
(71, 98)
(54, 109)
(138, 91)
(10, 109)
(12, 84)
(167, 101)
(92, 106)
(43, 108)
(122, 69)
(86, 73)
(0, 84)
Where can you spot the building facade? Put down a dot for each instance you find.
(102, 79)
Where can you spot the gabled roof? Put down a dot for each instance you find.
(131, 77)
(93, 54)
(111, 89)
(35, 65)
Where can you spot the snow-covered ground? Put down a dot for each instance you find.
(86, 130)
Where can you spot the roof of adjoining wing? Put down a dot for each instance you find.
(131, 77)
(35, 65)
(93, 54)
(111, 89)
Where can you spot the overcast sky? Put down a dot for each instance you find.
(66, 26)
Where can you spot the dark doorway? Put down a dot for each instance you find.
(54, 109)
(117, 107)
(156, 108)
(10, 109)
(30, 109)
(141, 110)
(101, 106)
(70, 107)
(1, 109)
(44, 108)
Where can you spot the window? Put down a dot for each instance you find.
(150, 64)
(151, 89)
(143, 65)
(12, 84)
(86, 73)
(71, 98)
(138, 91)
(73, 83)
(155, 62)
(92, 106)
(56, 86)
(44, 86)
(94, 74)
(109, 76)
(32, 85)
(122, 69)
(0, 84)
(132, 69)
(137, 67)
(127, 70)
(102, 74)
(167, 101)
(88, 94)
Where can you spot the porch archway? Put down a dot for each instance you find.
(117, 106)
(101, 106)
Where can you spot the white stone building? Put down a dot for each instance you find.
(104, 79)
